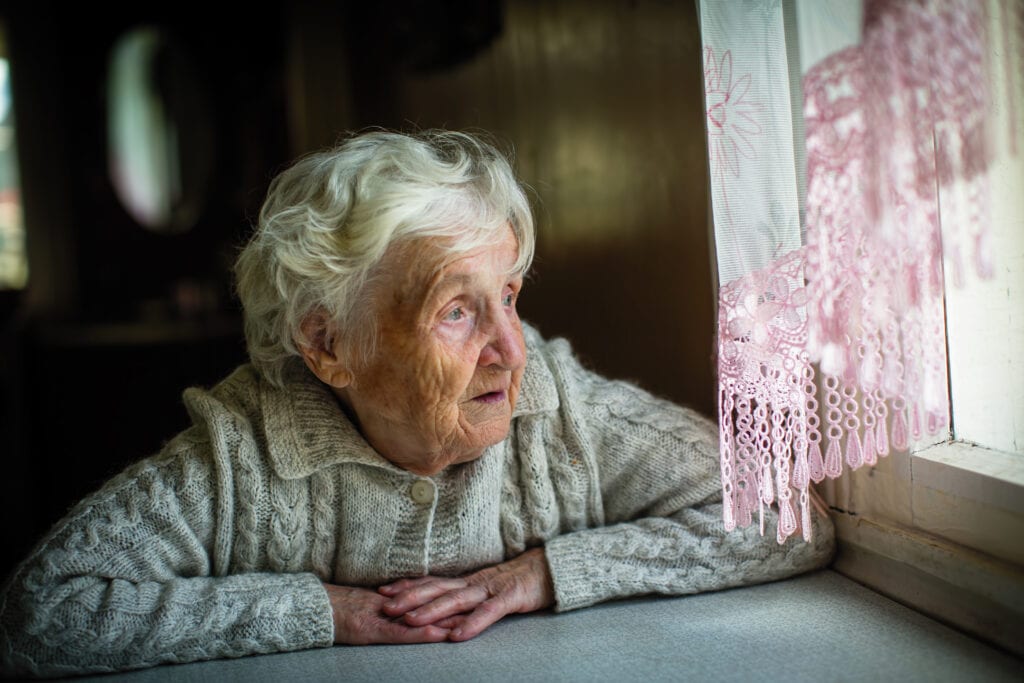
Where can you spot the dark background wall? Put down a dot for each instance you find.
(601, 102)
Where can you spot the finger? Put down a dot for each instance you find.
(419, 595)
(399, 633)
(476, 622)
(450, 622)
(404, 584)
(448, 604)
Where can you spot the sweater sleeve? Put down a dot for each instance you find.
(127, 581)
(657, 467)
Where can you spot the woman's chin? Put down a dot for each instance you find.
(437, 465)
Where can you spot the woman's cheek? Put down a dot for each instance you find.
(517, 380)
(435, 379)
(457, 350)
(455, 334)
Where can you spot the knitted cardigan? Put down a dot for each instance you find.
(217, 546)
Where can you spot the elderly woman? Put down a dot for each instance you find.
(404, 460)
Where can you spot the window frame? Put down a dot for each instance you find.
(938, 528)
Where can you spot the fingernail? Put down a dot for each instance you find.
(457, 632)
(391, 604)
(413, 613)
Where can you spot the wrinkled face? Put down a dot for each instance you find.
(445, 376)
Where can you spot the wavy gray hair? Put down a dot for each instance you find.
(328, 220)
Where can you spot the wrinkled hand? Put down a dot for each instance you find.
(360, 620)
(469, 604)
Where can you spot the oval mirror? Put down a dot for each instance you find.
(159, 131)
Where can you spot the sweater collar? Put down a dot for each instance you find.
(306, 429)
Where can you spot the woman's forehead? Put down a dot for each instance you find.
(428, 266)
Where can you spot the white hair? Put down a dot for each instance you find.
(328, 220)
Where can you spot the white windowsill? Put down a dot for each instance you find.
(971, 496)
(973, 472)
(958, 556)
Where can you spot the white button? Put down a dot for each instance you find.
(422, 491)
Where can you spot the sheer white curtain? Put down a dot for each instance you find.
(834, 129)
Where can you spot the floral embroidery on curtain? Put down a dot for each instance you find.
(831, 347)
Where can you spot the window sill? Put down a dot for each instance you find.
(952, 549)
(974, 472)
(968, 590)
(970, 495)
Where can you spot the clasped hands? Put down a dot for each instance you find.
(430, 609)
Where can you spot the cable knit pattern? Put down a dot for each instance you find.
(321, 491)
(216, 547)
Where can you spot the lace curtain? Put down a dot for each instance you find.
(835, 130)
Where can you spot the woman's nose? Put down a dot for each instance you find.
(504, 346)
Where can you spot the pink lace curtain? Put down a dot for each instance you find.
(834, 130)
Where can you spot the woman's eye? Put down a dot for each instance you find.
(455, 315)
(509, 299)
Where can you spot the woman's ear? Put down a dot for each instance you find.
(323, 353)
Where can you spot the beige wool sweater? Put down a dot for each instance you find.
(217, 546)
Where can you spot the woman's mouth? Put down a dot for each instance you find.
(490, 397)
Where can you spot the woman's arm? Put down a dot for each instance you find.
(127, 580)
(657, 466)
